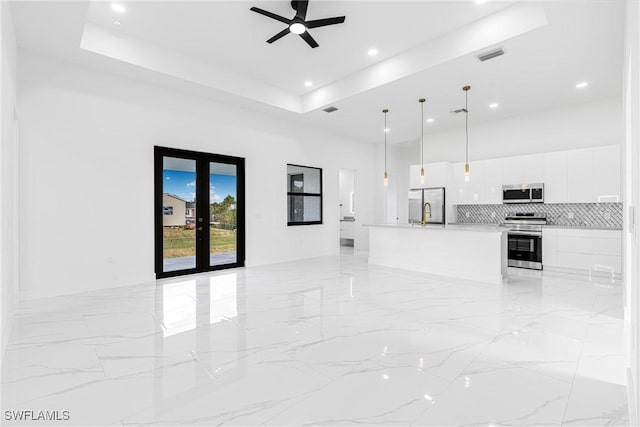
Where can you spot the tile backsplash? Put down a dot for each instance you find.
(589, 215)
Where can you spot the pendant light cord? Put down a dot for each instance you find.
(385, 141)
(422, 134)
(466, 125)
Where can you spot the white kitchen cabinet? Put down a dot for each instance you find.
(555, 177)
(347, 229)
(575, 176)
(477, 175)
(491, 192)
(512, 171)
(414, 177)
(594, 251)
(580, 176)
(606, 174)
(462, 193)
(549, 247)
(435, 174)
(532, 169)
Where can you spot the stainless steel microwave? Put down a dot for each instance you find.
(523, 193)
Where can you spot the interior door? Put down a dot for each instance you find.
(199, 212)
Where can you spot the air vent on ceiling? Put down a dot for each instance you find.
(485, 56)
(330, 109)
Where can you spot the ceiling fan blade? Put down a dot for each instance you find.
(310, 41)
(278, 36)
(301, 9)
(324, 22)
(271, 15)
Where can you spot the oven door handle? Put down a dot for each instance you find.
(526, 233)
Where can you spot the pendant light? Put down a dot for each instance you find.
(467, 176)
(421, 101)
(386, 175)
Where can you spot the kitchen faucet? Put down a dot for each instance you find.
(424, 213)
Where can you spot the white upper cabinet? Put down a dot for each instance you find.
(532, 169)
(606, 174)
(437, 174)
(414, 177)
(512, 171)
(492, 189)
(555, 177)
(461, 193)
(477, 181)
(580, 176)
(575, 176)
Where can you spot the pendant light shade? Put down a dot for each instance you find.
(421, 101)
(386, 129)
(467, 175)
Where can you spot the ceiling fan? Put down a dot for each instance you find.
(298, 24)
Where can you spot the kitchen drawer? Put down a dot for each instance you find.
(588, 233)
(591, 262)
(589, 245)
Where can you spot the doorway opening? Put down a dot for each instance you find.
(346, 200)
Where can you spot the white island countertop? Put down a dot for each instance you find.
(448, 227)
(466, 252)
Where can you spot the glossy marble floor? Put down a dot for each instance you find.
(325, 341)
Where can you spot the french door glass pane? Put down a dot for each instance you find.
(223, 238)
(178, 213)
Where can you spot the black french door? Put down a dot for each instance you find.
(199, 212)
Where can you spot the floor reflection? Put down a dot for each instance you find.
(293, 343)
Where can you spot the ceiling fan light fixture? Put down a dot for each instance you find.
(299, 24)
(297, 28)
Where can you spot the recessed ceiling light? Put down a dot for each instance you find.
(372, 52)
(297, 28)
(430, 120)
(494, 105)
(116, 7)
(387, 129)
(308, 83)
(582, 85)
(117, 23)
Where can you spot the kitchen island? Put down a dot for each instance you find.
(465, 252)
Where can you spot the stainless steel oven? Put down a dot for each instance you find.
(525, 239)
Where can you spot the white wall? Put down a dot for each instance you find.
(631, 189)
(401, 157)
(582, 125)
(8, 169)
(86, 171)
